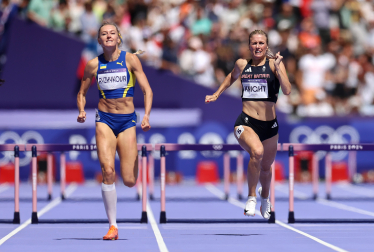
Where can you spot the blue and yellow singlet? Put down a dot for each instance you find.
(114, 79)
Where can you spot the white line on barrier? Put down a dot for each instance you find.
(48, 207)
(218, 192)
(330, 203)
(156, 231)
(4, 187)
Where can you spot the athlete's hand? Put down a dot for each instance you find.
(278, 60)
(210, 98)
(82, 117)
(145, 124)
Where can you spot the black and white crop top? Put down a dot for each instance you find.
(259, 83)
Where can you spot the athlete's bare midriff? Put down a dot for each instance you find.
(260, 110)
(124, 105)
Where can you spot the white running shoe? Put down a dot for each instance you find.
(250, 206)
(265, 208)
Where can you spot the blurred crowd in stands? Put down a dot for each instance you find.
(327, 45)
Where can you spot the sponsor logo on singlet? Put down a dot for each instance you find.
(255, 88)
(112, 79)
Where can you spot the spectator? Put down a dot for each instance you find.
(39, 11)
(76, 10)
(60, 16)
(169, 56)
(90, 24)
(313, 68)
(202, 24)
(202, 66)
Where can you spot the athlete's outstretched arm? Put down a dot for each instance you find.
(137, 69)
(280, 72)
(89, 73)
(229, 80)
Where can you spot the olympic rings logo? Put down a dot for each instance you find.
(326, 135)
(217, 146)
(11, 137)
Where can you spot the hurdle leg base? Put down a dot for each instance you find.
(272, 217)
(138, 196)
(315, 196)
(34, 218)
(226, 196)
(62, 197)
(291, 217)
(144, 218)
(49, 196)
(240, 196)
(163, 217)
(151, 197)
(16, 219)
(328, 196)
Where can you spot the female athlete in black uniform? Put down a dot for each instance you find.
(256, 128)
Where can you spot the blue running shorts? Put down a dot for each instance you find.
(117, 122)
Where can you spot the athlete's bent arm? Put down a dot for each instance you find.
(229, 80)
(89, 73)
(137, 68)
(280, 71)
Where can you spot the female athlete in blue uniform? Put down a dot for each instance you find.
(256, 128)
(115, 72)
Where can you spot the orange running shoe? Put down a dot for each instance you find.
(112, 234)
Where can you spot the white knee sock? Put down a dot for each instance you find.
(110, 202)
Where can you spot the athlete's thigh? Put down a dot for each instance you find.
(270, 150)
(248, 139)
(106, 144)
(127, 151)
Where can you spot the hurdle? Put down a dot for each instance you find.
(328, 162)
(163, 148)
(62, 148)
(16, 148)
(138, 185)
(291, 148)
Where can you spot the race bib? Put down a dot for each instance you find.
(112, 79)
(255, 88)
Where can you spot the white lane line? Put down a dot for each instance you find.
(310, 236)
(156, 231)
(4, 187)
(329, 203)
(357, 190)
(214, 190)
(69, 190)
(344, 207)
(297, 194)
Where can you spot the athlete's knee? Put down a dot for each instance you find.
(257, 153)
(129, 180)
(108, 170)
(265, 171)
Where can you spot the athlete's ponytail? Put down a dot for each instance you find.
(139, 52)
